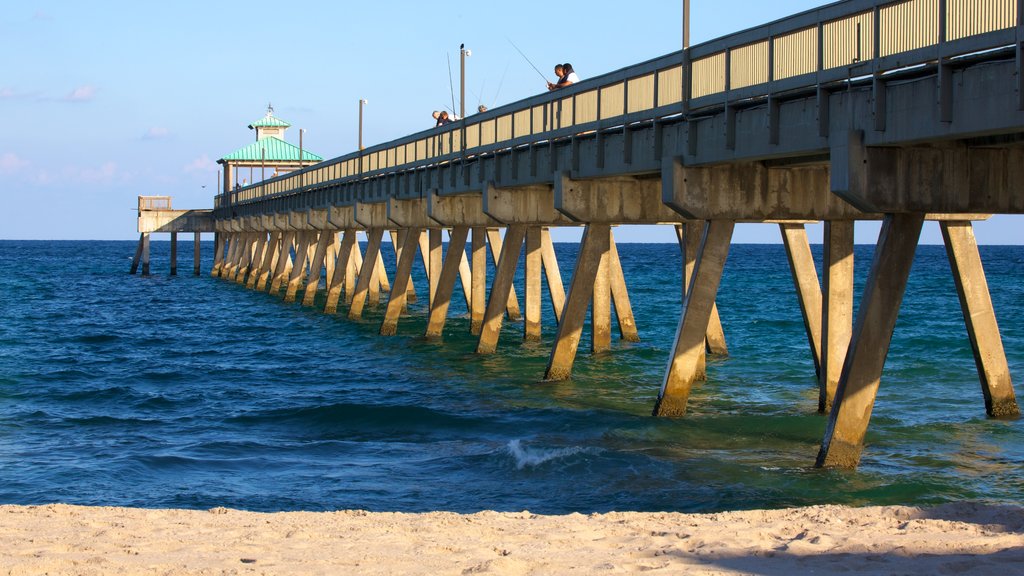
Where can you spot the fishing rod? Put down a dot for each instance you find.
(451, 83)
(502, 81)
(527, 59)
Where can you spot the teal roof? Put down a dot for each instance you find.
(277, 150)
(269, 121)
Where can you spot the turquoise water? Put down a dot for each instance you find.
(193, 392)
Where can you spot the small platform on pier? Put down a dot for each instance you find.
(157, 215)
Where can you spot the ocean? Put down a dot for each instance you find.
(193, 392)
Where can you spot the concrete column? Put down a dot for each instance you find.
(693, 326)
(836, 307)
(196, 244)
(367, 273)
(552, 273)
(689, 235)
(465, 276)
(512, 308)
(434, 276)
(620, 295)
(218, 253)
(398, 239)
(872, 333)
(145, 254)
(478, 290)
(341, 272)
(601, 305)
(174, 253)
(805, 277)
(270, 252)
(281, 270)
(355, 265)
(446, 283)
(400, 289)
(299, 266)
(331, 257)
(316, 266)
(592, 249)
(532, 325)
(230, 247)
(247, 256)
(501, 287)
(137, 258)
(980, 319)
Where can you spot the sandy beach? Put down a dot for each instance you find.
(956, 538)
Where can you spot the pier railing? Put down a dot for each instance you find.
(831, 44)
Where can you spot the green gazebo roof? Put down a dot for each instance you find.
(269, 121)
(271, 149)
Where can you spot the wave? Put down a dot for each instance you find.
(533, 457)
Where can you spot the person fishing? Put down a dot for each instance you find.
(566, 76)
(443, 117)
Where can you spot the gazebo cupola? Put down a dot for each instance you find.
(269, 125)
(269, 156)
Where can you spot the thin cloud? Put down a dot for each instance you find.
(201, 164)
(104, 173)
(40, 15)
(81, 94)
(11, 163)
(156, 133)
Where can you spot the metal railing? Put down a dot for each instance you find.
(154, 203)
(821, 46)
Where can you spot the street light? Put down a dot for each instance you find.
(463, 54)
(362, 102)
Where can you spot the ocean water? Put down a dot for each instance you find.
(194, 392)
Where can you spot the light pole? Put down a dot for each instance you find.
(463, 53)
(686, 24)
(362, 102)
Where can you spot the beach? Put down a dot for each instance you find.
(955, 538)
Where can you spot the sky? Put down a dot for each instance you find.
(104, 101)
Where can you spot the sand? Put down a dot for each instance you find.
(952, 539)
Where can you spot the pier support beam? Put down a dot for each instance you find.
(342, 271)
(551, 272)
(145, 253)
(620, 295)
(281, 271)
(494, 239)
(299, 266)
(531, 299)
(367, 273)
(808, 291)
(700, 300)
(248, 246)
(218, 254)
(259, 280)
(836, 307)
(316, 266)
(446, 282)
(876, 318)
(400, 288)
(174, 253)
(600, 306)
(398, 239)
(594, 247)
(137, 258)
(478, 280)
(196, 254)
(502, 293)
(980, 318)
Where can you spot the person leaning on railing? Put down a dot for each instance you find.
(566, 76)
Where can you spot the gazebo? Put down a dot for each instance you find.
(269, 152)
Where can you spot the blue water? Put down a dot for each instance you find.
(194, 392)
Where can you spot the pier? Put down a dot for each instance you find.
(895, 111)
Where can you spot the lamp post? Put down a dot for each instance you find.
(686, 24)
(362, 102)
(463, 53)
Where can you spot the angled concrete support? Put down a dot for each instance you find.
(400, 288)
(501, 287)
(379, 283)
(552, 273)
(174, 253)
(355, 265)
(281, 270)
(700, 299)
(316, 266)
(248, 252)
(270, 257)
(367, 273)
(980, 318)
(495, 242)
(398, 239)
(593, 249)
(601, 304)
(446, 282)
(145, 253)
(341, 271)
(196, 244)
(805, 277)
(872, 333)
(434, 255)
(218, 253)
(306, 239)
(620, 295)
(138, 257)
(836, 307)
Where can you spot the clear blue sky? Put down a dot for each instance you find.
(103, 101)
